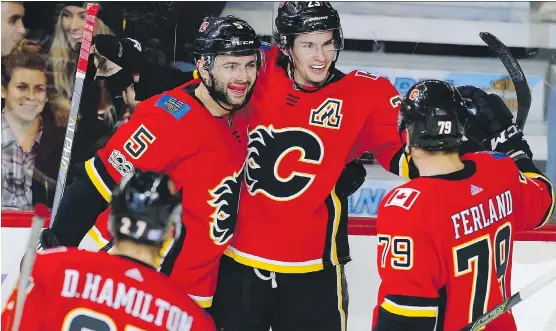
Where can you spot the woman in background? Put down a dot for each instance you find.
(98, 113)
(32, 135)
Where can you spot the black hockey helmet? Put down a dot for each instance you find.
(306, 16)
(226, 36)
(143, 207)
(430, 111)
(295, 17)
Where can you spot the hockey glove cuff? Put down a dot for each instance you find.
(510, 141)
(352, 178)
(47, 240)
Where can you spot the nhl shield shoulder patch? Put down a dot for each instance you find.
(175, 107)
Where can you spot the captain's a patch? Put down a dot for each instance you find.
(175, 107)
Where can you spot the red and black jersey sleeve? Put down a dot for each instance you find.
(536, 193)
(146, 142)
(380, 134)
(409, 265)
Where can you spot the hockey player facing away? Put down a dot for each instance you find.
(197, 134)
(99, 291)
(446, 238)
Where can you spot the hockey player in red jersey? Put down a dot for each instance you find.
(307, 121)
(445, 239)
(99, 291)
(197, 134)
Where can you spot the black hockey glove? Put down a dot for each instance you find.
(490, 124)
(116, 60)
(351, 179)
(47, 240)
(120, 53)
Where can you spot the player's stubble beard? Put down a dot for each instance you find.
(219, 92)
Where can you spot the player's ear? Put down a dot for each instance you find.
(4, 92)
(203, 73)
(285, 51)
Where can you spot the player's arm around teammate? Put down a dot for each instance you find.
(147, 141)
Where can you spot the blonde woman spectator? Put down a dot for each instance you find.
(68, 31)
(98, 115)
(31, 141)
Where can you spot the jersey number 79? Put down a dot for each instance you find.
(476, 256)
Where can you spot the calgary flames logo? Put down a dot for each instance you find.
(267, 147)
(225, 200)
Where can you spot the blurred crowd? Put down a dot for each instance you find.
(40, 49)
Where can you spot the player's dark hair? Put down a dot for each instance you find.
(26, 60)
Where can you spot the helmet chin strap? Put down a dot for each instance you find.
(407, 144)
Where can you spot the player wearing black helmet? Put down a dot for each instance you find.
(227, 38)
(445, 239)
(310, 36)
(308, 120)
(196, 134)
(123, 291)
(144, 208)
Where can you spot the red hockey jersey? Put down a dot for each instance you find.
(290, 217)
(204, 155)
(72, 289)
(445, 243)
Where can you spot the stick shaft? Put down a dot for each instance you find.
(92, 11)
(26, 268)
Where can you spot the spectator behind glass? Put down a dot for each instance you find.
(68, 31)
(31, 141)
(13, 30)
(98, 112)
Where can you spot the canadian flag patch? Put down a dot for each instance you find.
(403, 197)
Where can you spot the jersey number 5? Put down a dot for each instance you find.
(139, 142)
(476, 256)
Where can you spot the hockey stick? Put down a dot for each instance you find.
(522, 90)
(92, 11)
(41, 212)
(509, 303)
